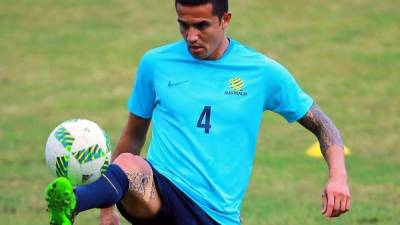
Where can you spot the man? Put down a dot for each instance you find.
(205, 95)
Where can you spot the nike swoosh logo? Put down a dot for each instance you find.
(170, 84)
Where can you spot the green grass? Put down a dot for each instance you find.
(66, 59)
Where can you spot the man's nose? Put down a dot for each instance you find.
(192, 35)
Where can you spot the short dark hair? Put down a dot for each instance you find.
(219, 6)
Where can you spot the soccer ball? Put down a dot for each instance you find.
(79, 150)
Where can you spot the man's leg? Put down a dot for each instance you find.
(142, 199)
(129, 177)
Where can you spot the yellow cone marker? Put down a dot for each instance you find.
(315, 151)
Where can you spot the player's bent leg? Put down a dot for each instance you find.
(142, 199)
(64, 202)
(129, 178)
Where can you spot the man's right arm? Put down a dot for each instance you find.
(133, 137)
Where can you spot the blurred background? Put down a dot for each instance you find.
(77, 59)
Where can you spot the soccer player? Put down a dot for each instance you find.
(205, 95)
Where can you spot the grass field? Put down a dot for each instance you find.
(66, 59)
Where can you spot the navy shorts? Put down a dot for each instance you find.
(177, 208)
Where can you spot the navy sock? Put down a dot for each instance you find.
(104, 192)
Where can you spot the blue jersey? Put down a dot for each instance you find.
(206, 116)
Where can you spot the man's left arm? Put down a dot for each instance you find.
(336, 195)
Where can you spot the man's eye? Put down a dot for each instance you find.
(202, 26)
(183, 26)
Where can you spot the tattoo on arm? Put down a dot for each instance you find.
(318, 123)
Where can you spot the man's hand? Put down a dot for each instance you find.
(336, 197)
(108, 216)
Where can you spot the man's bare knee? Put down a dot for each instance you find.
(128, 162)
(142, 199)
(140, 175)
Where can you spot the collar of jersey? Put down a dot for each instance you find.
(226, 53)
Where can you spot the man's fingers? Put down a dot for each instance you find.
(336, 206)
(348, 203)
(330, 204)
(341, 204)
(324, 203)
(337, 200)
(344, 204)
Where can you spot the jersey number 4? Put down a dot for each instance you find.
(205, 116)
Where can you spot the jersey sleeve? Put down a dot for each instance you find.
(285, 96)
(142, 99)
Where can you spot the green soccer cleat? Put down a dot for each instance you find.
(61, 202)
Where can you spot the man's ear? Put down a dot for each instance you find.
(226, 19)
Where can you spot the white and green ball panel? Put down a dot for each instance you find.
(79, 150)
